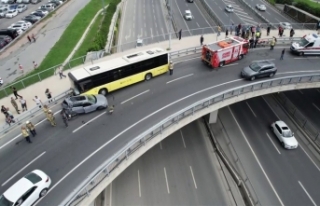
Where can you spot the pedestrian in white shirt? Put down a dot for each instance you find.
(37, 101)
(23, 104)
(60, 71)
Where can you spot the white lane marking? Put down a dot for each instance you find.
(160, 145)
(165, 175)
(255, 156)
(110, 203)
(183, 142)
(198, 24)
(254, 114)
(194, 180)
(310, 158)
(220, 8)
(273, 143)
(300, 91)
(316, 106)
(135, 96)
(185, 76)
(35, 159)
(308, 58)
(304, 189)
(91, 120)
(139, 183)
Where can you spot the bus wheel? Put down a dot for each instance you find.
(148, 77)
(221, 64)
(104, 92)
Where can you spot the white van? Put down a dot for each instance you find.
(307, 45)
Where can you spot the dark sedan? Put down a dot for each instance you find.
(31, 18)
(8, 39)
(3, 43)
(38, 13)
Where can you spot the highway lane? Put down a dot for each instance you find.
(192, 173)
(46, 38)
(143, 19)
(65, 151)
(291, 172)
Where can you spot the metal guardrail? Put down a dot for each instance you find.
(300, 119)
(102, 172)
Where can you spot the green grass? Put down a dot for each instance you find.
(63, 46)
(311, 4)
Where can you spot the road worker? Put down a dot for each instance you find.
(51, 118)
(31, 128)
(45, 109)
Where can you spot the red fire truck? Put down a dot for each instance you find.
(224, 51)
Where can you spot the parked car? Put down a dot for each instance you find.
(190, 1)
(3, 12)
(285, 25)
(35, 1)
(261, 7)
(26, 1)
(43, 8)
(13, 6)
(57, 2)
(38, 13)
(18, 27)
(27, 190)
(21, 8)
(5, 6)
(45, 12)
(31, 18)
(229, 8)
(284, 134)
(84, 104)
(259, 69)
(24, 22)
(3, 43)
(7, 1)
(48, 7)
(19, 30)
(188, 15)
(11, 13)
(9, 32)
(8, 39)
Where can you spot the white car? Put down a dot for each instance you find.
(284, 134)
(229, 8)
(18, 26)
(261, 7)
(28, 24)
(19, 30)
(7, 1)
(188, 15)
(3, 12)
(21, 8)
(11, 13)
(27, 190)
(43, 11)
(285, 25)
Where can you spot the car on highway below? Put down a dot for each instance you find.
(259, 69)
(285, 25)
(3, 12)
(188, 15)
(229, 8)
(85, 103)
(284, 134)
(27, 190)
(11, 14)
(261, 7)
(31, 18)
(22, 7)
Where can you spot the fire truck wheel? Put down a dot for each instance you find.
(252, 78)
(240, 57)
(221, 64)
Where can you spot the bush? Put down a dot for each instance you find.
(309, 7)
(289, 2)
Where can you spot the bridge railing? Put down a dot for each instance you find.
(111, 164)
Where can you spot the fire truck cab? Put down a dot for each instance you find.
(224, 51)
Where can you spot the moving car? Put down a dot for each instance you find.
(21, 8)
(259, 69)
(11, 13)
(229, 8)
(284, 134)
(188, 15)
(139, 42)
(285, 25)
(27, 190)
(3, 12)
(84, 104)
(261, 7)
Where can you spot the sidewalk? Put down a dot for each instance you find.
(57, 86)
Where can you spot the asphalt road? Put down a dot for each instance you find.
(179, 171)
(143, 19)
(46, 38)
(289, 175)
(67, 149)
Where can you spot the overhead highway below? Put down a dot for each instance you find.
(181, 170)
(279, 176)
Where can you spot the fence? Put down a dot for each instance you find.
(97, 176)
(300, 119)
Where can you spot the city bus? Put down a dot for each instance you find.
(110, 75)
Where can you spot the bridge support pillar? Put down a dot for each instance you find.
(213, 117)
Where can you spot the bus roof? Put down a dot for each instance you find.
(111, 64)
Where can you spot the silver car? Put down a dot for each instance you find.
(259, 69)
(21, 8)
(3, 12)
(85, 103)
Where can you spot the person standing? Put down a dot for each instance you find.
(219, 31)
(45, 110)
(25, 134)
(231, 28)
(31, 128)
(180, 34)
(21, 68)
(29, 39)
(272, 43)
(15, 92)
(201, 40)
(38, 101)
(227, 33)
(4, 110)
(51, 118)
(171, 68)
(282, 54)
(15, 105)
(60, 71)
(35, 65)
(33, 38)
(48, 94)
(268, 30)
(291, 33)
(23, 103)
(64, 116)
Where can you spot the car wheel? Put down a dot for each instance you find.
(43, 192)
(301, 53)
(104, 92)
(148, 77)
(221, 64)
(252, 78)
(271, 75)
(282, 144)
(100, 108)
